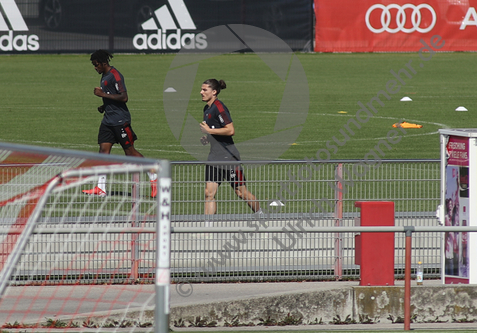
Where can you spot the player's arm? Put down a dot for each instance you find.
(122, 96)
(227, 130)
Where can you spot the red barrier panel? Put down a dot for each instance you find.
(394, 25)
(374, 251)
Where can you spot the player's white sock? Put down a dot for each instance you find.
(102, 182)
(152, 176)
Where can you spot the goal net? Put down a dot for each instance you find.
(80, 261)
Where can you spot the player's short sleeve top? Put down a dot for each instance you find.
(222, 147)
(116, 113)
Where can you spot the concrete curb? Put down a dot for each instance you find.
(307, 305)
(297, 308)
(348, 305)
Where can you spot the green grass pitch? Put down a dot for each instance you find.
(48, 100)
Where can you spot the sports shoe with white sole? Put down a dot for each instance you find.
(95, 191)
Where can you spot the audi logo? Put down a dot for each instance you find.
(401, 18)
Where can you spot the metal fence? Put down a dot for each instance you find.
(294, 193)
(291, 194)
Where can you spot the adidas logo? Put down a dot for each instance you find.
(9, 42)
(161, 39)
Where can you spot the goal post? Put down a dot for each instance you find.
(163, 271)
(52, 234)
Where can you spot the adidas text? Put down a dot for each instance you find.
(19, 43)
(12, 16)
(172, 41)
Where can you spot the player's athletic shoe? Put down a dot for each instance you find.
(153, 188)
(95, 191)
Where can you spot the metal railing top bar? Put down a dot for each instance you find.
(75, 153)
(189, 230)
(301, 228)
(97, 230)
(231, 217)
(298, 161)
(127, 168)
(251, 216)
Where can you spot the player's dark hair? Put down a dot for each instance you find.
(216, 85)
(101, 56)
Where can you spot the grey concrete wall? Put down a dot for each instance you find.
(343, 305)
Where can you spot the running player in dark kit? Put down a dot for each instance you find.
(219, 128)
(116, 124)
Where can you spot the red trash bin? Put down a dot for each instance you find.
(374, 251)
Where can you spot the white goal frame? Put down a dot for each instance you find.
(71, 177)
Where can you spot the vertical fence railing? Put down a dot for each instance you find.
(290, 194)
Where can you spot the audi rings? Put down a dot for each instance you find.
(401, 18)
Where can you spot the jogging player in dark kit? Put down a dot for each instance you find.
(116, 124)
(219, 128)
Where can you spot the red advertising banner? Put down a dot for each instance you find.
(458, 151)
(394, 25)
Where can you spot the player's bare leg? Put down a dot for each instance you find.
(244, 194)
(131, 151)
(210, 204)
(105, 148)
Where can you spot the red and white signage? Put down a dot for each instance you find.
(394, 25)
(458, 151)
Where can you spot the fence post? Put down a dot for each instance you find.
(135, 223)
(338, 218)
(407, 281)
(163, 251)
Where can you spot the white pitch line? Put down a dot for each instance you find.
(75, 146)
(72, 146)
(379, 117)
(366, 139)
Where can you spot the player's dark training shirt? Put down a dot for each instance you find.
(222, 147)
(116, 113)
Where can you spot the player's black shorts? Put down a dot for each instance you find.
(231, 173)
(123, 134)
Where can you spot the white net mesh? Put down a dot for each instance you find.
(73, 260)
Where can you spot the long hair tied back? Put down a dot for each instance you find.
(216, 85)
